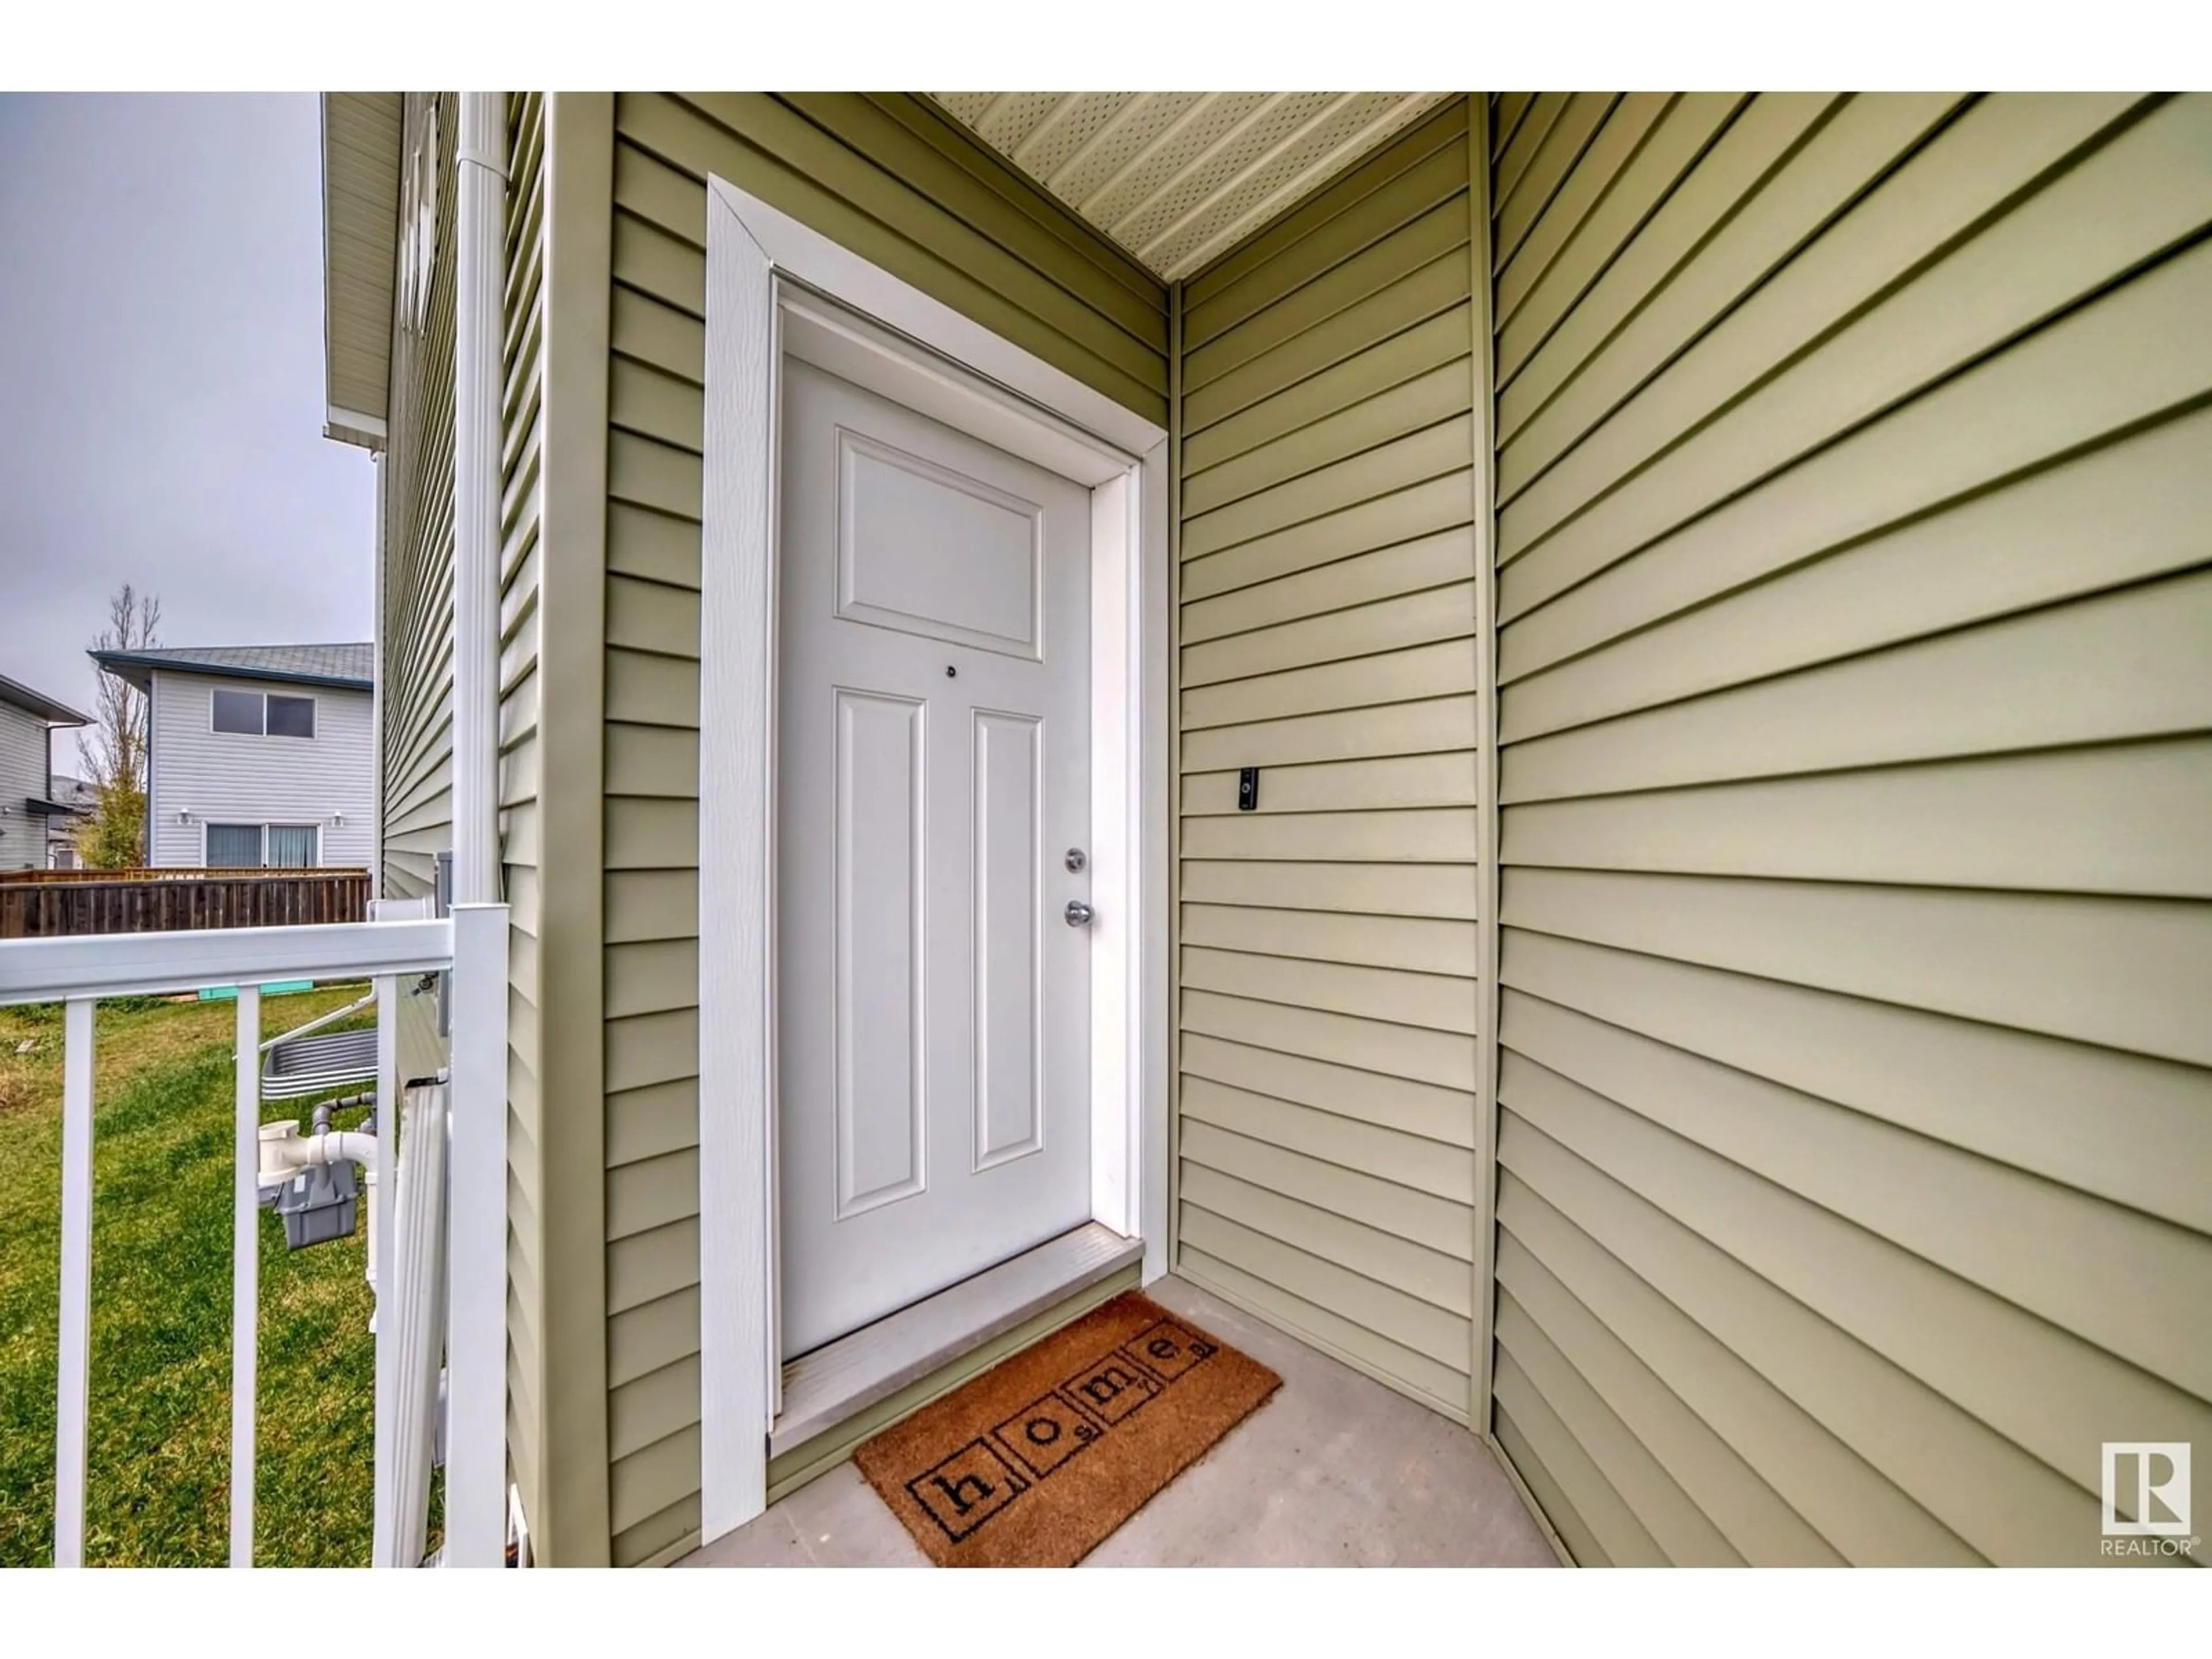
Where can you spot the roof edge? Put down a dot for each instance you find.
(350, 426)
(117, 661)
(37, 702)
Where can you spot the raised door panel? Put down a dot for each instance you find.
(1009, 1099)
(928, 550)
(877, 1014)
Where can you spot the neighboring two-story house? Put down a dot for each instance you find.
(27, 801)
(256, 755)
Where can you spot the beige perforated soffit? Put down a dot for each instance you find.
(1178, 178)
(361, 212)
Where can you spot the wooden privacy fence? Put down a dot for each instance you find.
(167, 872)
(47, 903)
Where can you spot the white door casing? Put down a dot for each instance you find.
(933, 712)
(777, 291)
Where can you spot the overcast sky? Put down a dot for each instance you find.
(161, 384)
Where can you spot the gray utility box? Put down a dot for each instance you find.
(320, 1203)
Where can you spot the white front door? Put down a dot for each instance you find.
(934, 753)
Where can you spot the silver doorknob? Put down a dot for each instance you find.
(1079, 913)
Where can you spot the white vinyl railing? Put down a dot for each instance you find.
(79, 971)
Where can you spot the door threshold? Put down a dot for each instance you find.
(821, 1389)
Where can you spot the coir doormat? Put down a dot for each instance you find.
(1036, 1462)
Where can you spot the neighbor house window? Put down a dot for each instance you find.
(259, 846)
(291, 717)
(292, 845)
(233, 846)
(237, 711)
(253, 714)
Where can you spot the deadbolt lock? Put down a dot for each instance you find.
(1075, 858)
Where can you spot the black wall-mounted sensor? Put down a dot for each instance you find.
(1248, 789)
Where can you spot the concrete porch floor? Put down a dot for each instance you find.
(1336, 1470)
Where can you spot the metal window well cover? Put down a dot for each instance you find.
(316, 1064)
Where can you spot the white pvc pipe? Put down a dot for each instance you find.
(479, 315)
(281, 1158)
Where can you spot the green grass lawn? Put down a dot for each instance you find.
(159, 1490)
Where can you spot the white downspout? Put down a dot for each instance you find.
(453, 1176)
(376, 700)
(479, 315)
(475, 1348)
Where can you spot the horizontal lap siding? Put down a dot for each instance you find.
(521, 429)
(897, 184)
(25, 772)
(415, 637)
(1328, 1033)
(1854, 767)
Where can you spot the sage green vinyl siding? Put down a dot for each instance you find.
(903, 185)
(1328, 1075)
(415, 643)
(521, 430)
(1856, 762)
(414, 636)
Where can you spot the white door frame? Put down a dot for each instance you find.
(775, 286)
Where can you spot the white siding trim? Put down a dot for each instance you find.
(153, 779)
(798, 250)
(736, 878)
(1152, 1028)
(1483, 360)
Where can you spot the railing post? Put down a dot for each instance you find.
(73, 1372)
(476, 1344)
(245, 1275)
(384, 1186)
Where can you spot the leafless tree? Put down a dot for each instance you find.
(112, 749)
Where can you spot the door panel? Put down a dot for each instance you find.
(1009, 1093)
(925, 550)
(877, 1014)
(934, 764)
